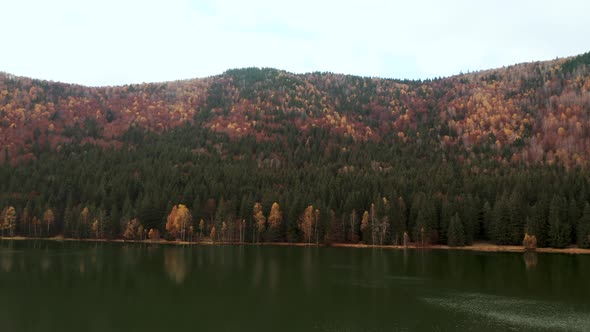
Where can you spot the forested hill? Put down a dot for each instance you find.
(489, 155)
(528, 113)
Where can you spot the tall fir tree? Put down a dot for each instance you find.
(559, 229)
(583, 229)
(456, 232)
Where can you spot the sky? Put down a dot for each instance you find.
(113, 42)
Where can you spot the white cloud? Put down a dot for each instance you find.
(116, 42)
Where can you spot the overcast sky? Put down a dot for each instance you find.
(108, 42)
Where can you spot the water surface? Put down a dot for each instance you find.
(69, 286)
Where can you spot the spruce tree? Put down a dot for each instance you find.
(573, 216)
(537, 224)
(583, 231)
(559, 228)
(501, 224)
(488, 220)
(470, 212)
(516, 225)
(445, 220)
(456, 233)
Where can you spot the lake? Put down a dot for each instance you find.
(76, 286)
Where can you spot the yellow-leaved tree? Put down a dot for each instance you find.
(84, 220)
(8, 220)
(213, 234)
(179, 222)
(307, 223)
(365, 226)
(96, 228)
(48, 219)
(131, 229)
(275, 223)
(224, 229)
(259, 220)
(201, 228)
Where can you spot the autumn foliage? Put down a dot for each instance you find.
(528, 113)
(529, 242)
(179, 222)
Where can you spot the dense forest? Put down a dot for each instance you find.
(262, 155)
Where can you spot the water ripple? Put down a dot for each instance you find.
(519, 312)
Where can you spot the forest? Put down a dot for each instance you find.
(262, 155)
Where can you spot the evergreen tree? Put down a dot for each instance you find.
(515, 228)
(112, 222)
(501, 226)
(583, 235)
(559, 228)
(398, 221)
(68, 228)
(488, 221)
(456, 233)
(470, 217)
(573, 216)
(537, 224)
(445, 220)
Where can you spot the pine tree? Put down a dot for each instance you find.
(426, 225)
(456, 233)
(583, 228)
(398, 221)
(559, 228)
(488, 220)
(470, 211)
(112, 224)
(445, 220)
(68, 222)
(501, 225)
(353, 220)
(537, 224)
(573, 216)
(515, 228)
(383, 220)
(420, 229)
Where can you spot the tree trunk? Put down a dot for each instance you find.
(315, 231)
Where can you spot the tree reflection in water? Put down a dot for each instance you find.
(176, 264)
(530, 259)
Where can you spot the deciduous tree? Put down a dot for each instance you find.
(48, 219)
(365, 227)
(307, 224)
(275, 223)
(259, 220)
(9, 220)
(179, 221)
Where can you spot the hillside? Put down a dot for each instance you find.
(505, 151)
(531, 113)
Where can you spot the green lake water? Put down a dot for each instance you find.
(53, 286)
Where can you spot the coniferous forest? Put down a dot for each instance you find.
(262, 155)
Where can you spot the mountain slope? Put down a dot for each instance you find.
(532, 113)
(503, 152)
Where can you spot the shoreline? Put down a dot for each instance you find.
(480, 246)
